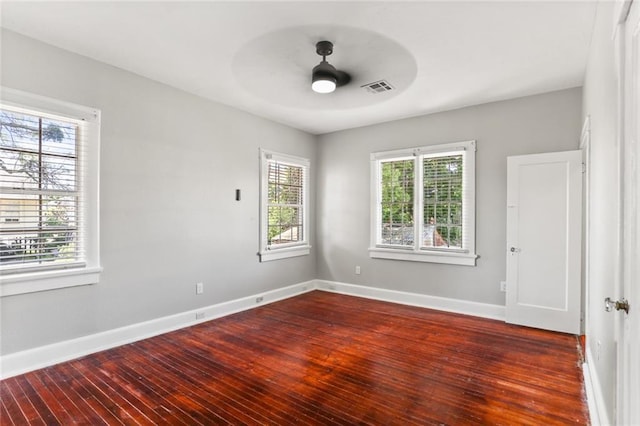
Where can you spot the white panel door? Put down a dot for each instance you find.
(544, 235)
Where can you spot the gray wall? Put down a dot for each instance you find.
(534, 124)
(600, 103)
(170, 164)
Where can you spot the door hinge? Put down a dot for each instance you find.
(584, 168)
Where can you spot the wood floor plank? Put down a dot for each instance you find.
(284, 379)
(281, 381)
(69, 400)
(4, 412)
(351, 388)
(319, 358)
(52, 401)
(197, 375)
(167, 399)
(24, 404)
(178, 394)
(36, 399)
(120, 397)
(80, 390)
(247, 389)
(10, 405)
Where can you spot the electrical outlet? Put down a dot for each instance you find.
(503, 286)
(357, 270)
(199, 315)
(199, 288)
(259, 299)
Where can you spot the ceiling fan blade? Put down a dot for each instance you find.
(342, 78)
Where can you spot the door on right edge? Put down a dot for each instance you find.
(628, 324)
(544, 237)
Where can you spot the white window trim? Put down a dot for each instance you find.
(89, 273)
(302, 248)
(466, 257)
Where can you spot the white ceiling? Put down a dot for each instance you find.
(258, 56)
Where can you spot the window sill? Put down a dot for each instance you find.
(31, 282)
(284, 253)
(464, 259)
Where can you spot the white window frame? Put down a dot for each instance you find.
(467, 256)
(282, 251)
(87, 271)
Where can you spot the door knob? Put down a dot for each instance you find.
(619, 305)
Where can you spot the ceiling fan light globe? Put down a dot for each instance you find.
(324, 85)
(323, 78)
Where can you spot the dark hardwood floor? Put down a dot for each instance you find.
(318, 358)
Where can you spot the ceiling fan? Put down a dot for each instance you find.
(325, 77)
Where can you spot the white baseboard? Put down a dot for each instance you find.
(593, 389)
(458, 306)
(44, 356)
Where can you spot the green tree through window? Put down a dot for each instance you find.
(423, 204)
(397, 188)
(442, 181)
(442, 186)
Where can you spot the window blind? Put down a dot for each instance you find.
(285, 203)
(443, 202)
(41, 197)
(397, 202)
(424, 204)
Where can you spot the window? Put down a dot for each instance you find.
(284, 206)
(423, 204)
(48, 193)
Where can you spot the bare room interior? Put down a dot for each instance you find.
(320, 212)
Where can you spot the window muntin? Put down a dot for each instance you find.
(424, 204)
(284, 206)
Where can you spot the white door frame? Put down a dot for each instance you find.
(585, 146)
(627, 326)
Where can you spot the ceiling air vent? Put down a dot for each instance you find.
(379, 86)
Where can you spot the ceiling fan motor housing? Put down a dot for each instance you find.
(324, 70)
(324, 48)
